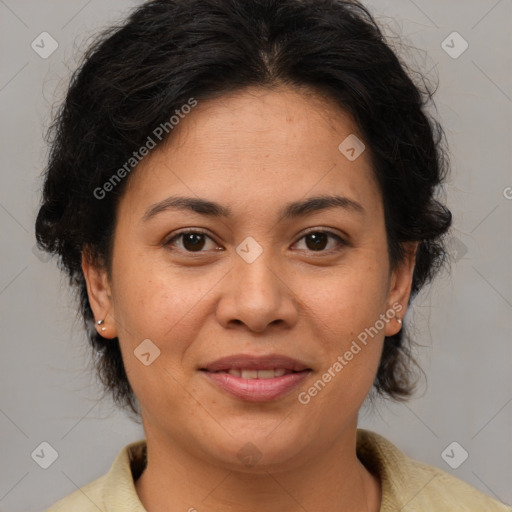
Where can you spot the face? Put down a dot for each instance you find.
(266, 300)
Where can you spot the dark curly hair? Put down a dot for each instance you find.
(135, 76)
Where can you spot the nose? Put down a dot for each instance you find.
(258, 296)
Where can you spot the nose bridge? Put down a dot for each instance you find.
(257, 294)
(254, 274)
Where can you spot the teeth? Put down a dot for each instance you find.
(266, 374)
(249, 374)
(257, 374)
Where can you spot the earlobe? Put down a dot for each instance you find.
(400, 287)
(100, 297)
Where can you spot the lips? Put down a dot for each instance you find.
(256, 378)
(247, 362)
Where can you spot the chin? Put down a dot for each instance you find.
(260, 450)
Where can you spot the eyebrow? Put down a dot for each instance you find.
(216, 210)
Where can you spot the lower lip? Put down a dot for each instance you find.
(257, 390)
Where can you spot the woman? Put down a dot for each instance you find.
(244, 195)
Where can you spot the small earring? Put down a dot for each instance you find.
(101, 322)
(399, 320)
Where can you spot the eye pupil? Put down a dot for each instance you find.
(193, 241)
(319, 241)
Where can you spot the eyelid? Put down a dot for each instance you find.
(327, 231)
(342, 240)
(186, 231)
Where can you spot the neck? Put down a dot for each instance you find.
(174, 480)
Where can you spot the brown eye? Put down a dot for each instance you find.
(191, 241)
(318, 241)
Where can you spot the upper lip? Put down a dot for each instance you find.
(249, 362)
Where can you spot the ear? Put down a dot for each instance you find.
(400, 286)
(100, 296)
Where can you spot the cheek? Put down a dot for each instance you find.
(162, 308)
(345, 309)
(350, 298)
(163, 304)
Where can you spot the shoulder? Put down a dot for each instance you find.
(436, 488)
(409, 485)
(113, 491)
(86, 499)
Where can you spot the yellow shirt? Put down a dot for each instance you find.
(407, 485)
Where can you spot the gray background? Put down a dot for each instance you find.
(463, 321)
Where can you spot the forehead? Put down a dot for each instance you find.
(257, 146)
(256, 121)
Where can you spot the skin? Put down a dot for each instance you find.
(252, 151)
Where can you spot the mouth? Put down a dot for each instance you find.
(256, 379)
(248, 374)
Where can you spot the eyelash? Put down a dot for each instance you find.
(341, 241)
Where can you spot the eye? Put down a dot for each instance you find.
(317, 241)
(196, 241)
(191, 241)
